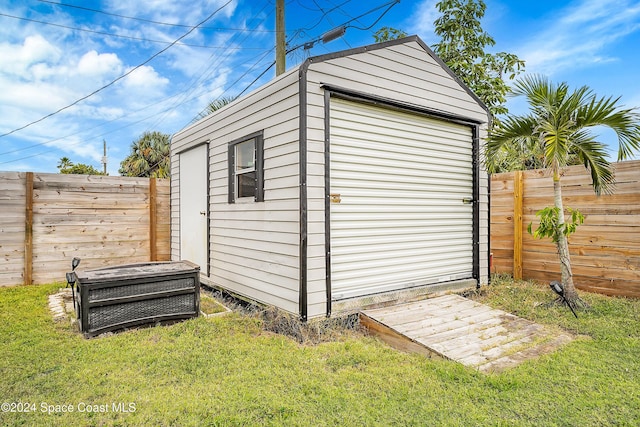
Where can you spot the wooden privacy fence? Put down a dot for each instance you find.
(605, 250)
(47, 219)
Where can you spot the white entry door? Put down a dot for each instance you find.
(194, 212)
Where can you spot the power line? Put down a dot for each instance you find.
(122, 76)
(240, 78)
(148, 20)
(244, 90)
(183, 94)
(310, 44)
(166, 110)
(391, 4)
(203, 77)
(83, 131)
(339, 7)
(324, 14)
(103, 33)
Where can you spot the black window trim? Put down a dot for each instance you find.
(259, 181)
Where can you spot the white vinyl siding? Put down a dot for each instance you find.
(403, 73)
(254, 247)
(402, 179)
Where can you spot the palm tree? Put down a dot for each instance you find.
(215, 105)
(64, 163)
(149, 157)
(561, 124)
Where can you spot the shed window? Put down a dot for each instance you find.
(245, 168)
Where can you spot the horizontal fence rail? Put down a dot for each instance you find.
(47, 219)
(605, 250)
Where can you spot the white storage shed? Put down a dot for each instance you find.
(352, 179)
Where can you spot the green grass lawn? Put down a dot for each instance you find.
(229, 371)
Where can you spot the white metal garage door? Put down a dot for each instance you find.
(402, 219)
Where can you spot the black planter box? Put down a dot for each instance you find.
(129, 295)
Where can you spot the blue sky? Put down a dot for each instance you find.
(52, 56)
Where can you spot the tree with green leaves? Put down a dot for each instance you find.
(560, 126)
(462, 47)
(149, 157)
(66, 166)
(388, 33)
(64, 163)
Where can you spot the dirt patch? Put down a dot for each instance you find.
(210, 307)
(280, 322)
(61, 305)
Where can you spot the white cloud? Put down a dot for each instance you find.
(142, 87)
(579, 35)
(173, 12)
(145, 77)
(56, 135)
(100, 65)
(45, 68)
(17, 59)
(34, 97)
(38, 79)
(422, 20)
(631, 101)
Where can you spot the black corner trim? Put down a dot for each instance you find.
(327, 202)
(476, 204)
(489, 230)
(302, 94)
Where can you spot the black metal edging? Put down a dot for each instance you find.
(476, 202)
(353, 95)
(208, 272)
(302, 98)
(327, 201)
(488, 229)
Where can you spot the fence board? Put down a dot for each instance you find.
(605, 250)
(12, 226)
(28, 230)
(103, 220)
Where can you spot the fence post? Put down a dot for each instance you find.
(28, 230)
(518, 193)
(153, 220)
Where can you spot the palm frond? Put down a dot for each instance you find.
(593, 155)
(560, 125)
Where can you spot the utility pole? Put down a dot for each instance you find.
(280, 43)
(104, 157)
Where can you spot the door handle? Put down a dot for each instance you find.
(203, 213)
